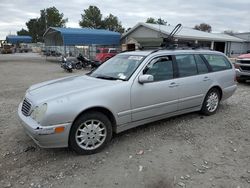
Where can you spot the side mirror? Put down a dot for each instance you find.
(145, 78)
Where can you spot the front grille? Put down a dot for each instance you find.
(245, 68)
(26, 107)
(244, 61)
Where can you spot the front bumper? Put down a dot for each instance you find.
(45, 136)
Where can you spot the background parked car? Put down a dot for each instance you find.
(103, 54)
(7, 49)
(242, 68)
(24, 48)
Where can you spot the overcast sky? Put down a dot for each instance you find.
(220, 14)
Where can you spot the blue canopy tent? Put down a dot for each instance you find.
(15, 39)
(55, 36)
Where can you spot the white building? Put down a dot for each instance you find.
(238, 48)
(151, 35)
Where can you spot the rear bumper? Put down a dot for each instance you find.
(45, 136)
(228, 91)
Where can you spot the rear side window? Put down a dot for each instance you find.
(201, 65)
(218, 62)
(186, 65)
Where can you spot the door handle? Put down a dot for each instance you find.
(206, 78)
(173, 84)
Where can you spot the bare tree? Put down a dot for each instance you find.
(229, 32)
(203, 27)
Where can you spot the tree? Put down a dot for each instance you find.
(49, 17)
(151, 20)
(33, 28)
(203, 27)
(53, 18)
(111, 23)
(229, 32)
(22, 32)
(159, 21)
(92, 18)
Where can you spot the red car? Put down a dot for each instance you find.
(242, 68)
(103, 54)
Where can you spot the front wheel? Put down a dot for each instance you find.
(211, 102)
(90, 133)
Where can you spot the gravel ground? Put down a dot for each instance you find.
(185, 151)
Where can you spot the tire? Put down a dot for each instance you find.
(78, 66)
(240, 80)
(84, 129)
(84, 65)
(211, 102)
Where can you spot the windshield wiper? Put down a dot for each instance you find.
(109, 77)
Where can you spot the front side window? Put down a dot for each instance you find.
(186, 65)
(161, 68)
(218, 62)
(120, 67)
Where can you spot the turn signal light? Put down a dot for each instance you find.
(59, 129)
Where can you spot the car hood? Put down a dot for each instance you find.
(66, 86)
(244, 56)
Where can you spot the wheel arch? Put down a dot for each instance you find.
(101, 109)
(218, 88)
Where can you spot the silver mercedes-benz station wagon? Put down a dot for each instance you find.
(131, 89)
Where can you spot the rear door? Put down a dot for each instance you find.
(222, 70)
(158, 97)
(194, 80)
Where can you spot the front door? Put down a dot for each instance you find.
(158, 97)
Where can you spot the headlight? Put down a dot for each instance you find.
(39, 112)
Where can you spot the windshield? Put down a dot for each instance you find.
(120, 67)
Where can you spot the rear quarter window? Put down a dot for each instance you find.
(218, 62)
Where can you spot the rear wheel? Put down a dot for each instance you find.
(90, 133)
(78, 66)
(211, 102)
(84, 65)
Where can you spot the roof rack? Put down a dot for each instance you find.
(169, 41)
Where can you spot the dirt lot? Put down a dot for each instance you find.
(185, 151)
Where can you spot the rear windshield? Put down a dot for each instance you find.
(102, 50)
